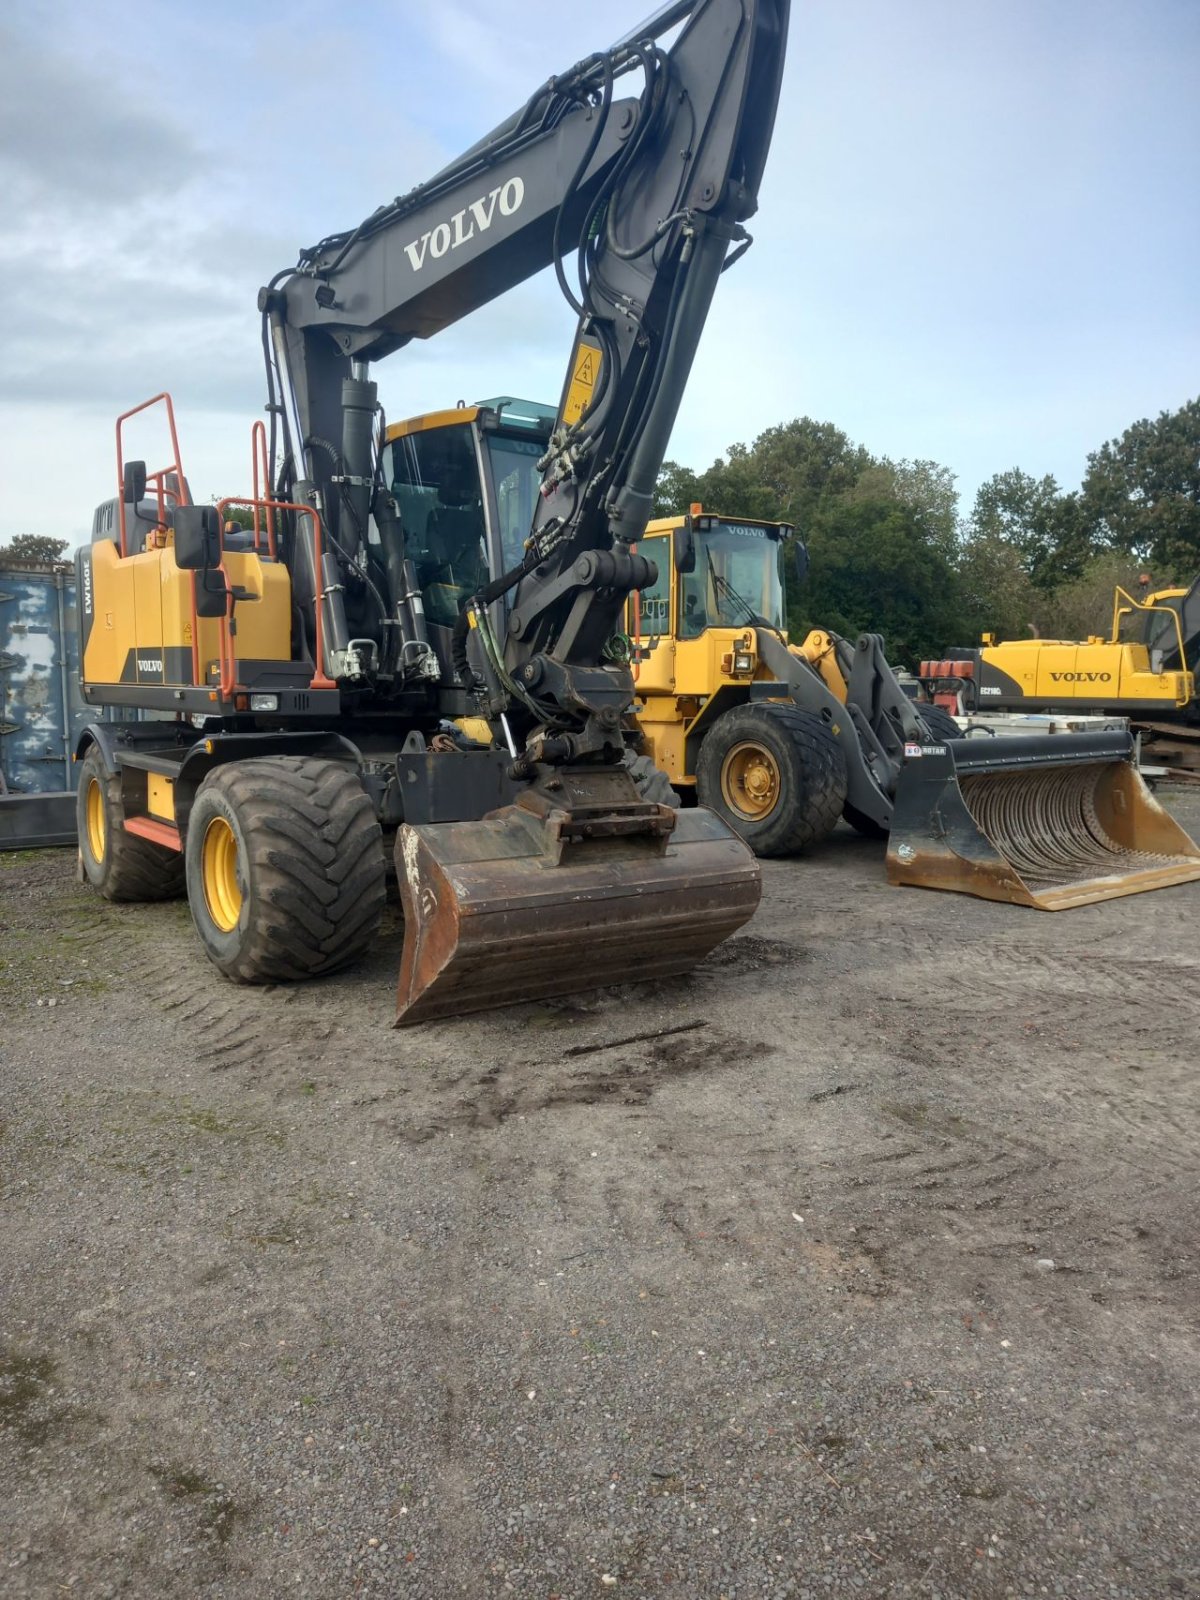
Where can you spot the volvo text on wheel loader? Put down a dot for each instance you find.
(311, 660)
(782, 740)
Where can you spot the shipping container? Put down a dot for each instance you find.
(41, 708)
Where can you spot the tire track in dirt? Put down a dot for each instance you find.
(625, 1076)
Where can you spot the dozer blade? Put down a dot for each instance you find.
(1051, 821)
(520, 907)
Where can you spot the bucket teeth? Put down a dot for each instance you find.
(1041, 823)
(501, 910)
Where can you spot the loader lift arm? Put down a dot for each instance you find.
(651, 190)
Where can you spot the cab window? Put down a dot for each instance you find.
(655, 601)
(435, 480)
(738, 580)
(517, 480)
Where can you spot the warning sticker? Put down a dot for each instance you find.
(585, 370)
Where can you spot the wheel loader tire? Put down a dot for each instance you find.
(775, 774)
(120, 865)
(939, 722)
(652, 782)
(285, 871)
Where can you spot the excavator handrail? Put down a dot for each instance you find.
(179, 495)
(1145, 606)
(260, 466)
(320, 680)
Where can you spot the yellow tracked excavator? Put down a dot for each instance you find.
(1145, 669)
(305, 667)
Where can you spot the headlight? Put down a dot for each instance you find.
(264, 702)
(743, 661)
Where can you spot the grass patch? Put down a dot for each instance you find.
(218, 1511)
(25, 1386)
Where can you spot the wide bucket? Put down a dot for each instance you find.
(512, 908)
(1051, 821)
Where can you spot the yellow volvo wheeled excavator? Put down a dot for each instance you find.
(311, 661)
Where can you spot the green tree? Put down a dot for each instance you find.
(925, 488)
(782, 477)
(874, 568)
(1051, 529)
(1142, 490)
(1083, 606)
(33, 547)
(677, 488)
(996, 591)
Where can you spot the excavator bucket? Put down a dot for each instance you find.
(521, 906)
(1051, 821)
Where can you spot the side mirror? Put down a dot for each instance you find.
(800, 558)
(133, 482)
(197, 537)
(683, 548)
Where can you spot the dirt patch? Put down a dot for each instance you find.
(862, 1260)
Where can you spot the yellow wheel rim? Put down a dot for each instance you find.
(218, 868)
(750, 781)
(97, 822)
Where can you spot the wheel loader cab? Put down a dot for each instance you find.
(695, 632)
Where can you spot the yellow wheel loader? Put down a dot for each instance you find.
(1145, 669)
(783, 740)
(475, 563)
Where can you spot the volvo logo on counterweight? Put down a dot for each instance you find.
(1081, 677)
(465, 224)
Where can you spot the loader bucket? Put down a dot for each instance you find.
(1051, 821)
(520, 907)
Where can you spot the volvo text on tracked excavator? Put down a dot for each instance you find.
(313, 660)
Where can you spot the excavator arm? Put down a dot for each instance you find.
(638, 203)
(650, 192)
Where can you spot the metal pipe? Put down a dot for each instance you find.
(287, 392)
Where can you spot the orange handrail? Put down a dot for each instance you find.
(258, 454)
(320, 679)
(158, 476)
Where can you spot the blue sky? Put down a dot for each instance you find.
(977, 243)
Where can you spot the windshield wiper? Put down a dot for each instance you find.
(722, 586)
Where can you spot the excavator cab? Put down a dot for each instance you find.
(639, 891)
(465, 482)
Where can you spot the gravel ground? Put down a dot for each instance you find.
(863, 1262)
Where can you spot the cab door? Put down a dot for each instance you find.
(649, 624)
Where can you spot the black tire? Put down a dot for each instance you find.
(652, 782)
(808, 777)
(120, 865)
(938, 720)
(300, 837)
